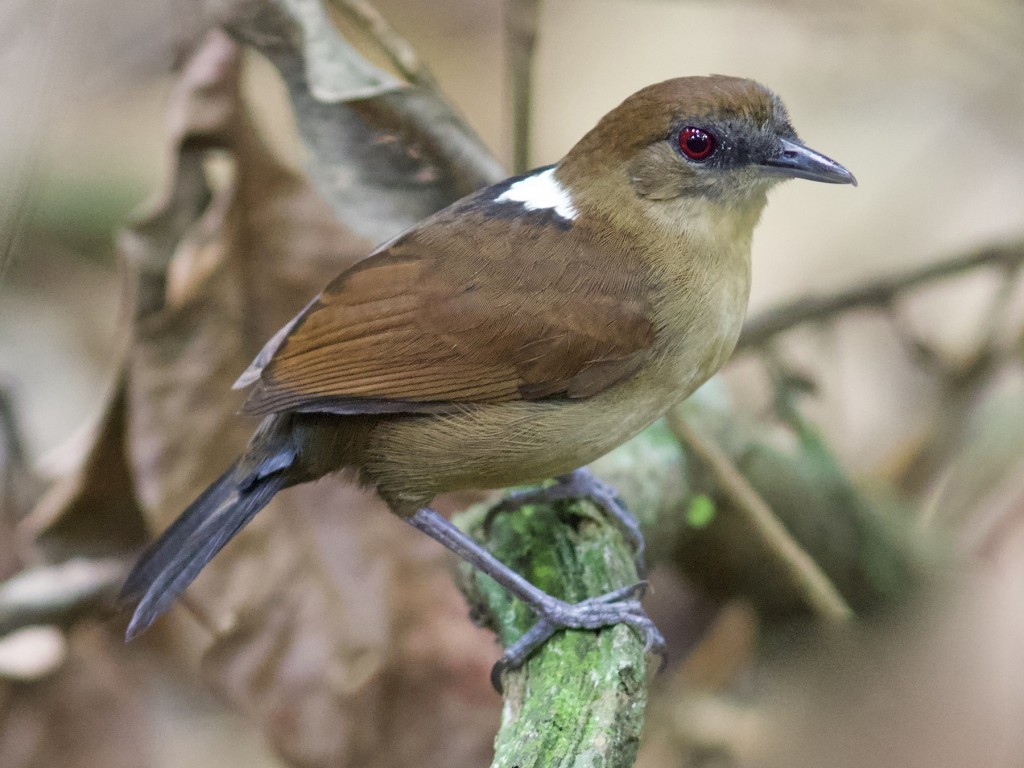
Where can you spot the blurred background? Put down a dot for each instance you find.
(921, 401)
(922, 101)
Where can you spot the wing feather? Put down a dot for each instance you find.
(445, 317)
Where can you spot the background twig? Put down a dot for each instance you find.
(876, 293)
(815, 585)
(521, 36)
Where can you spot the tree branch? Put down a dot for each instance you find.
(521, 35)
(818, 590)
(581, 698)
(876, 293)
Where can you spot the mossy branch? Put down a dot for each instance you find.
(580, 700)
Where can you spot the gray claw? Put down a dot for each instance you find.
(620, 606)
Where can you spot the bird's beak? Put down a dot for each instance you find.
(796, 160)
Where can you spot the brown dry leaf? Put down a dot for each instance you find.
(334, 626)
(383, 163)
(92, 512)
(72, 704)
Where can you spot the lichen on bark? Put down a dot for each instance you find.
(580, 700)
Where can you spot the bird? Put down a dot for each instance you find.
(515, 336)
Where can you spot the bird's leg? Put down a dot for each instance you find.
(620, 606)
(580, 484)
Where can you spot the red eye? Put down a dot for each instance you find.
(696, 143)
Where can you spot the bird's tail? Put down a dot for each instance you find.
(171, 562)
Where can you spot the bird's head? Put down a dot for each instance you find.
(720, 140)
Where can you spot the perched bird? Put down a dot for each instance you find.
(515, 336)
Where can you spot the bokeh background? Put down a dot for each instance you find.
(922, 100)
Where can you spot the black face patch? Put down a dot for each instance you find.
(738, 142)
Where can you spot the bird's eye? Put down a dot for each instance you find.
(696, 143)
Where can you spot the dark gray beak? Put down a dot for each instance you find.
(798, 161)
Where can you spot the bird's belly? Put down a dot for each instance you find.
(509, 444)
(412, 459)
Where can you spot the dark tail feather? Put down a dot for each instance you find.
(176, 558)
(173, 539)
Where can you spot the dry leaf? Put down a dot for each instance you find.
(329, 622)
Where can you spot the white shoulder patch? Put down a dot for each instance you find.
(541, 190)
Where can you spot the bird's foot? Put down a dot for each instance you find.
(621, 606)
(579, 484)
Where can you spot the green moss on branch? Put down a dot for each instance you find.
(580, 700)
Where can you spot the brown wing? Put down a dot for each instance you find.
(440, 319)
